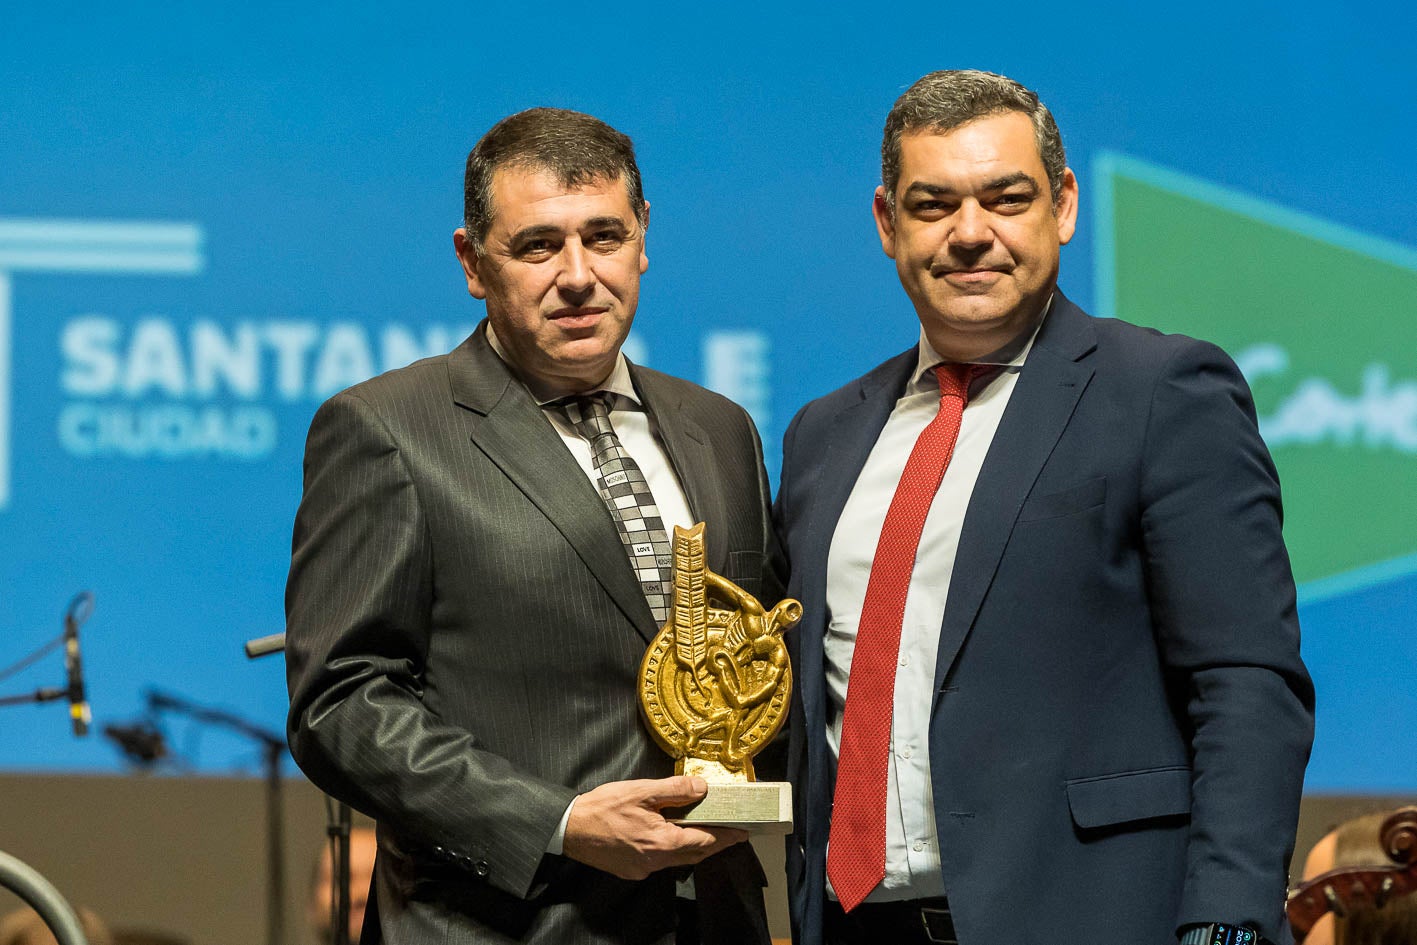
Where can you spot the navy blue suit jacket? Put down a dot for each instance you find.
(1120, 719)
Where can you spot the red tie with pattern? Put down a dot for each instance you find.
(856, 856)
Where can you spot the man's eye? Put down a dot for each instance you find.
(536, 248)
(607, 240)
(1013, 200)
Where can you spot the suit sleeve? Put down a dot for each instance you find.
(771, 764)
(780, 513)
(1223, 604)
(358, 615)
(774, 557)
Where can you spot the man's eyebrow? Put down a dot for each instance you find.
(998, 183)
(535, 231)
(540, 230)
(606, 222)
(930, 190)
(1011, 180)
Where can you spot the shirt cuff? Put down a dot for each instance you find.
(557, 843)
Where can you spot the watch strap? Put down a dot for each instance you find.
(1220, 933)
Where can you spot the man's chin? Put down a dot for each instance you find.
(587, 367)
(587, 351)
(976, 315)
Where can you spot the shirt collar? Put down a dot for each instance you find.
(618, 383)
(1011, 355)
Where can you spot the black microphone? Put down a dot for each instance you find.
(140, 742)
(79, 610)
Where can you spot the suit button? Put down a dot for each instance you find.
(481, 868)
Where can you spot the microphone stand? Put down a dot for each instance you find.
(79, 609)
(45, 694)
(15, 874)
(273, 749)
(337, 829)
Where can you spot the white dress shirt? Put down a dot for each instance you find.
(912, 848)
(632, 426)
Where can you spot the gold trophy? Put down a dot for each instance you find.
(715, 689)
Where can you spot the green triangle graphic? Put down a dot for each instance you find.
(1322, 319)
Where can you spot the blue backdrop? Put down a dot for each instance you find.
(212, 216)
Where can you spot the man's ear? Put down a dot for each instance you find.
(644, 237)
(467, 256)
(1065, 208)
(885, 221)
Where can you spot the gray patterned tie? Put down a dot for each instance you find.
(626, 492)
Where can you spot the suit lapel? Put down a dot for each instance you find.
(840, 458)
(1043, 400)
(854, 433)
(692, 457)
(509, 427)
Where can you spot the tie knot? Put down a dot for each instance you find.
(954, 378)
(590, 414)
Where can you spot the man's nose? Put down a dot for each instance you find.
(972, 227)
(576, 275)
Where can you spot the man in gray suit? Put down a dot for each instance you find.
(479, 564)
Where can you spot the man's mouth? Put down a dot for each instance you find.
(577, 317)
(971, 275)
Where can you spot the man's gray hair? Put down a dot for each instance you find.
(942, 101)
(577, 148)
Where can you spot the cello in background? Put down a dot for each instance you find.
(1363, 897)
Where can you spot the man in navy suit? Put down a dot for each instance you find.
(1050, 687)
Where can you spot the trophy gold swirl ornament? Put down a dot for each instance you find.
(715, 688)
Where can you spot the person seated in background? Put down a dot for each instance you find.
(320, 905)
(24, 926)
(1356, 843)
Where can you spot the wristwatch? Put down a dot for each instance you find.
(1220, 933)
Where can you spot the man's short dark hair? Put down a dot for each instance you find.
(577, 148)
(943, 101)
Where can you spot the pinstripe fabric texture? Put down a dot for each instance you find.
(464, 637)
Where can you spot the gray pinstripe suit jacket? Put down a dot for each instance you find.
(464, 636)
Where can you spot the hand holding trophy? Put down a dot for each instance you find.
(715, 689)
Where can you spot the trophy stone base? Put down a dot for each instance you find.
(755, 806)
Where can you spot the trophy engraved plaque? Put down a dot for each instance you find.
(715, 688)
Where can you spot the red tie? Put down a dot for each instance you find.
(856, 856)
